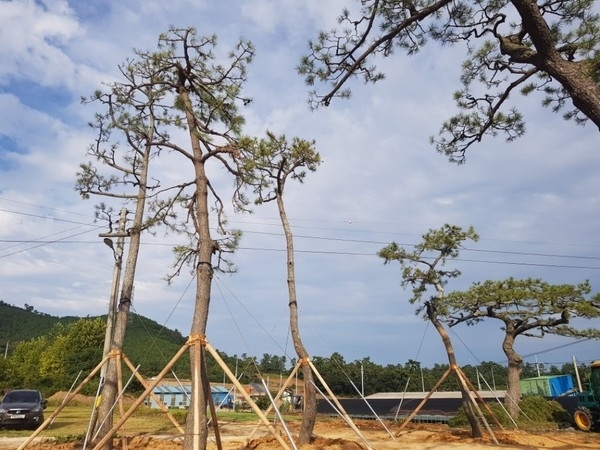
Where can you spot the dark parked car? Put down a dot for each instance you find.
(22, 408)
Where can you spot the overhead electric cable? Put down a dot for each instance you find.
(38, 216)
(569, 344)
(4, 199)
(323, 252)
(361, 241)
(42, 244)
(419, 235)
(336, 239)
(41, 240)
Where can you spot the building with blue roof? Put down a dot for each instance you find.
(178, 396)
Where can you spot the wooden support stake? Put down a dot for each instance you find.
(485, 405)
(160, 404)
(338, 404)
(420, 405)
(120, 389)
(251, 402)
(141, 398)
(209, 399)
(196, 343)
(462, 378)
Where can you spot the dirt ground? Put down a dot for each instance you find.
(337, 435)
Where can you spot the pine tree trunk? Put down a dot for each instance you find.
(196, 422)
(309, 414)
(110, 391)
(574, 76)
(515, 366)
(476, 430)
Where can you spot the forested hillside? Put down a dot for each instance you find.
(21, 324)
(148, 343)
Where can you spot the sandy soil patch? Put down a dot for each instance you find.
(337, 435)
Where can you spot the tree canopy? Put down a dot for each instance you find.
(182, 99)
(551, 48)
(424, 269)
(529, 307)
(271, 163)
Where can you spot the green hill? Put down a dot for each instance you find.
(22, 324)
(147, 342)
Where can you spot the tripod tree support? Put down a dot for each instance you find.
(200, 344)
(288, 381)
(142, 397)
(338, 404)
(247, 397)
(465, 382)
(160, 404)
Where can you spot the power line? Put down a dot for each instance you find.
(361, 241)
(315, 252)
(42, 242)
(397, 224)
(42, 206)
(38, 216)
(331, 239)
(323, 252)
(351, 222)
(545, 255)
(579, 341)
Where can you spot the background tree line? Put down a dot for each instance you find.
(53, 351)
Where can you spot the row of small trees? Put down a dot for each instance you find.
(53, 361)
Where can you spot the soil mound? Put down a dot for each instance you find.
(317, 443)
(78, 399)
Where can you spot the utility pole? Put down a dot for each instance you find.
(6, 350)
(577, 375)
(123, 297)
(114, 295)
(112, 305)
(362, 380)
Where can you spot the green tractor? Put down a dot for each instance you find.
(587, 414)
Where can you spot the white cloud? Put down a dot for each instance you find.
(35, 55)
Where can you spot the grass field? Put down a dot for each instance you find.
(73, 420)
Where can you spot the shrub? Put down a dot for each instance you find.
(534, 411)
(263, 402)
(69, 438)
(540, 410)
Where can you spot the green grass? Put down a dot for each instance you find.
(72, 422)
(247, 416)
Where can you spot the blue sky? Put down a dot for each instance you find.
(534, 202)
